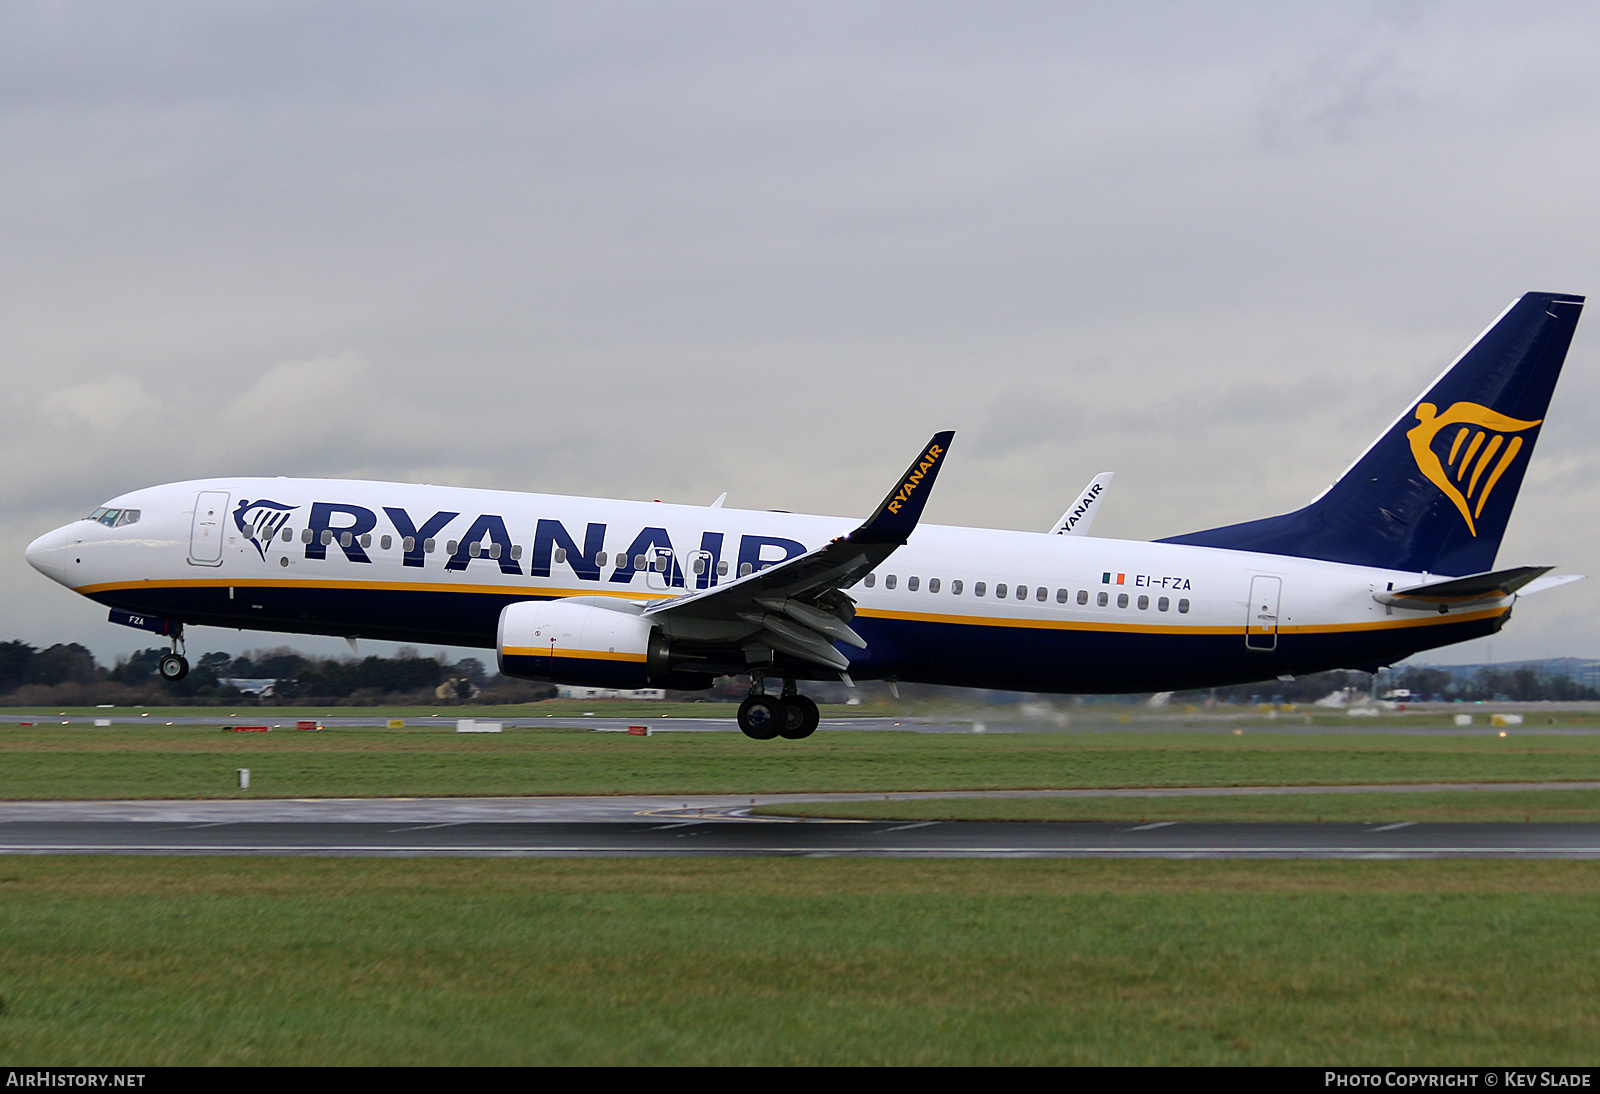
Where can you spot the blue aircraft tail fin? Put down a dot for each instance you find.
(1435, 491)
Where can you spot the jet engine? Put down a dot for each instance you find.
(576, 641)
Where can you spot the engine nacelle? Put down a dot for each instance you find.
(570, 642)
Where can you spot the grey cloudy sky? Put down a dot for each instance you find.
(662, 250)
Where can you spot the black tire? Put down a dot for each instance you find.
(173, 667)
(800, 718)
(760, 716)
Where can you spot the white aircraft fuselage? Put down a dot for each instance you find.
(974, 607)
(1395, 557)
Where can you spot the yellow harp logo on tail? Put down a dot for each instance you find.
(1468, 473)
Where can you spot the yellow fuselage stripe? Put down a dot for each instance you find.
(1391, 623)
(585, 655)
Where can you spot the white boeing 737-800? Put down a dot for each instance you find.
(1397, 556)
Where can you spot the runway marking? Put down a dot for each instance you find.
(1148, 827)
(679, 824)
(1392, 827)
(907, 827)
(424, 827)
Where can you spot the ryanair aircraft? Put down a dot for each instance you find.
(1395, 557)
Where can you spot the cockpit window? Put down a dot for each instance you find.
(114, 518)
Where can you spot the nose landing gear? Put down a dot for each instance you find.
(790, 715)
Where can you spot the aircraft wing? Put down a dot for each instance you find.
(798, 607)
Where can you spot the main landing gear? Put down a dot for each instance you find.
(790, 715)
(174, 666)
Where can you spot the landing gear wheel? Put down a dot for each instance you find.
(173, 667)
(760, 717)
(799, 718)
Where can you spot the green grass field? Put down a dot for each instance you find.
(1059, 716)
(148, 961)
(188, 762)
(139, 961)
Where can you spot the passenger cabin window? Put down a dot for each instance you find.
(1122, 600)
(408, 544)
(1163, 604)
(1022, 592)
(494, 551)
(888, 582)
(1183, 607)
(955, 587)
(1101, 599)
(911, 584)
(427, 546)
(450, 547)
(1144, 603)
(327, 536)
(385, 543)
(1061, 596)
(599, 559)
(305, 535)
(344, 539)
(366, 540)
(1083, 596)
(870, 580)
(1042, 593)
(1000, 590)
(933, 584)
(744, 569)
(722, 569)
(516, 550)
(474, 549)
(288, 535)
(561, 554)
(978, 588)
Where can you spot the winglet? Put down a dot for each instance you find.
(900, 511)
(1080, 514)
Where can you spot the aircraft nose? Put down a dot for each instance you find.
(45, 554)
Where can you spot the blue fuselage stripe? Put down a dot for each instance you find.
(985, 655)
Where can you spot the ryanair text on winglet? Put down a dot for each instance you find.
(914, 480)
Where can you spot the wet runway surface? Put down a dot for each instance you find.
(710, 826)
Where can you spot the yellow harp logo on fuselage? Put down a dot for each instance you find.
(1465, 474)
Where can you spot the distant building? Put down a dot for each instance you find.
(564, 692)
(262, 688)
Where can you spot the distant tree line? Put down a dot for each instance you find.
(1521, 683)
(69, 674)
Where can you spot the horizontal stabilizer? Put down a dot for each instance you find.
(1550, 581)
(1459, 592)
